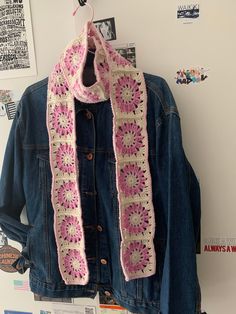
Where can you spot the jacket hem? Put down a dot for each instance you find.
(61, 290)
(137, 307)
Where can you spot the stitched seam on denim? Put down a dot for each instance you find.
(160, 119)
(43, 177)
(31, 89)
(79, 148)
(35, 146)
(139, 291)
(47, 285)
(165, 107)
(173, 110)
(156, 305)
(20, 122)
(156, 96)
(114, 200)
(97, 265)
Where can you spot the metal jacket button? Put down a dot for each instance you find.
(103, 261)
(89, 156)
(99, 228)
(88, 115)
(107, 293)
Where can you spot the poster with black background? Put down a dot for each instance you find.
(16, 43)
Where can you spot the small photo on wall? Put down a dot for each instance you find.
(107, 28)
(128, 51)
(188, 13)
(8, 103)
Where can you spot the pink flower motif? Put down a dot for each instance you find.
(136, 256)
(67, 195)
(90, 96)
(121, 60)
(103, 69)
(106, 84)
(62, 120)
(115, 56)
(109, 48)
(135, 218)
(75, 264)
(70, 229)
(132, 179)
(58, 84)
(74, 57)
(65, 158)
(92, 32)
(129, 138)
(127, 94)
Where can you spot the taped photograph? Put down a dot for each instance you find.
(107, 28)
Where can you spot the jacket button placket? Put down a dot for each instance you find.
(96, 244)
(86, 137)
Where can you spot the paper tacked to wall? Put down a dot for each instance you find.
(17, 56)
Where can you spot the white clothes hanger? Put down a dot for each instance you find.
(82, 3)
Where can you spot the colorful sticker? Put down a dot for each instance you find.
(192, 75)
(21, 285)
(219, 245)
(8, 255)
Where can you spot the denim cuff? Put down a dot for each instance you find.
(23, 262)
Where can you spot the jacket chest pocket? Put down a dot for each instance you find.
(45, 176)
(46, 211)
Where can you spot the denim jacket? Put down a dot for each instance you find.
(26, 181)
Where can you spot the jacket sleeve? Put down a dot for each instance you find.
(12, 198)
(180, 290)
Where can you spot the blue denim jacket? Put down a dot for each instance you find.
(26, 181)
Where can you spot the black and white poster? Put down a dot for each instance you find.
(17, 56)
(8, 103)
(187, 13)
(107, 28)
(128, 51)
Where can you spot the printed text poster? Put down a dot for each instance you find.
(17, 57)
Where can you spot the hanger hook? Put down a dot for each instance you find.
(82, 3)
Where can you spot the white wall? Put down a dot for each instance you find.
(207, 109)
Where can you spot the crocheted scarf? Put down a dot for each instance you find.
(124, 85)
